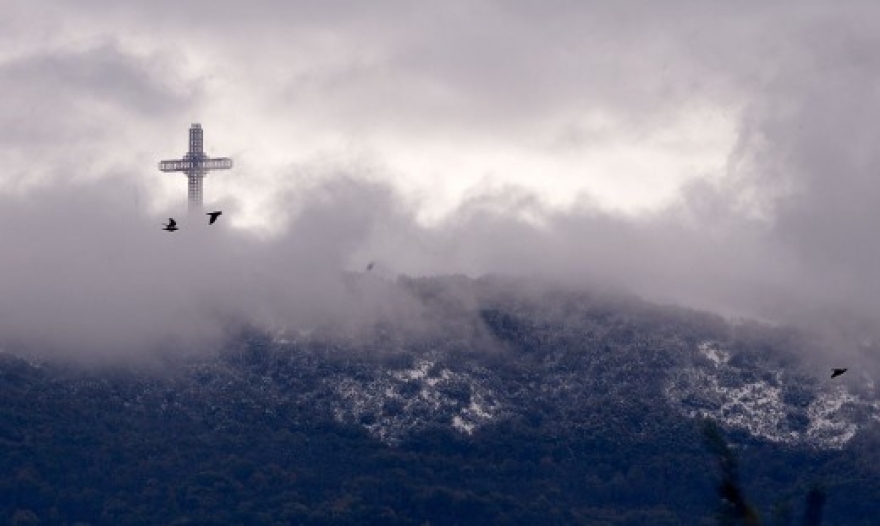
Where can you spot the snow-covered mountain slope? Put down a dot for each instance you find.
(578, 361)
(568, 360)
(391, 403)
(517, 404)
(775, 405)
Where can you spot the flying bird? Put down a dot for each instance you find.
(370, 266)
(837, 372)
(171, 226)
(214, 216)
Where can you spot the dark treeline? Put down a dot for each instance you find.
(734, 508)
(97, 458)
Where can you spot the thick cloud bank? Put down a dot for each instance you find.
(755, 127)
(85, 273)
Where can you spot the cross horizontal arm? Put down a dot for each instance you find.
(184, 165)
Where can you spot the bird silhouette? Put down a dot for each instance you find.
(370, 266)
(171, 226)
(837, 372)
(214, 216)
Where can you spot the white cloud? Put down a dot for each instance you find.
(738, 140)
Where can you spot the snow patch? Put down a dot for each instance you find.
(828, 423)
(714, 353)
(749, 398)
(393, 403)
(461, 425)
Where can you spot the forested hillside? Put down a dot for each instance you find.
(526, 408)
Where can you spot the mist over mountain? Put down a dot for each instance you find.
(499, 258)
(522, 402)
(722, 159)
(86, 276)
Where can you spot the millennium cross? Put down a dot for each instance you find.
(196, 165)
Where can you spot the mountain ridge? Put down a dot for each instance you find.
(572, 386)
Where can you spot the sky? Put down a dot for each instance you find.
(708, 154)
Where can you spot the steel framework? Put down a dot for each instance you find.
(196, 165)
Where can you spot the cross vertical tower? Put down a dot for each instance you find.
(196, 165)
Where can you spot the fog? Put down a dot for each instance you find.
(84, 272)
(716, 158)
